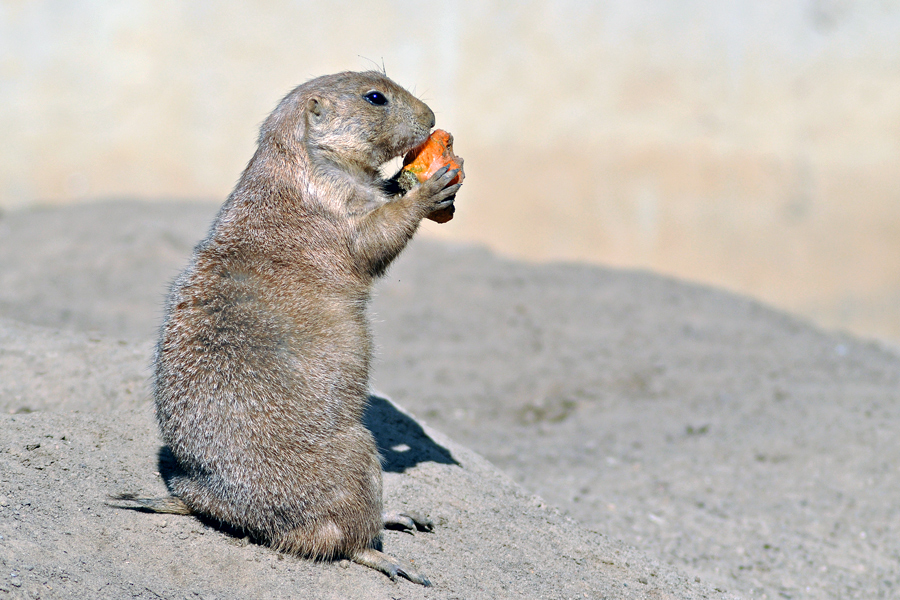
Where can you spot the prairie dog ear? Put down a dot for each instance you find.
(314, 108)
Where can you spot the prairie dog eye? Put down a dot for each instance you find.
(376, 98)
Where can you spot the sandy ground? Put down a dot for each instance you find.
(696, 443)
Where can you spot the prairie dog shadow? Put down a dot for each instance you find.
(402, 443)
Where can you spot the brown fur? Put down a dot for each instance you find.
(261, 370)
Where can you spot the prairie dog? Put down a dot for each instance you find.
(262, 366)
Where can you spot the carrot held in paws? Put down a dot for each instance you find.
(423, 161)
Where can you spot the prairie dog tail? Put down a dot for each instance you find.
(167, 505)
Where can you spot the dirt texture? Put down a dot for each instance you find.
(696, 443)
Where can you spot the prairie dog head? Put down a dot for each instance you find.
(359, 120)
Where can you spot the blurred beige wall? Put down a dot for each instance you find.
(751, 144)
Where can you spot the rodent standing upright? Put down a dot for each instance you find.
(262, 366)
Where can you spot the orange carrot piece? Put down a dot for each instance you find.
(424, 160)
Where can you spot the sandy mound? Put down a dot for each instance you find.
(730, 442)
